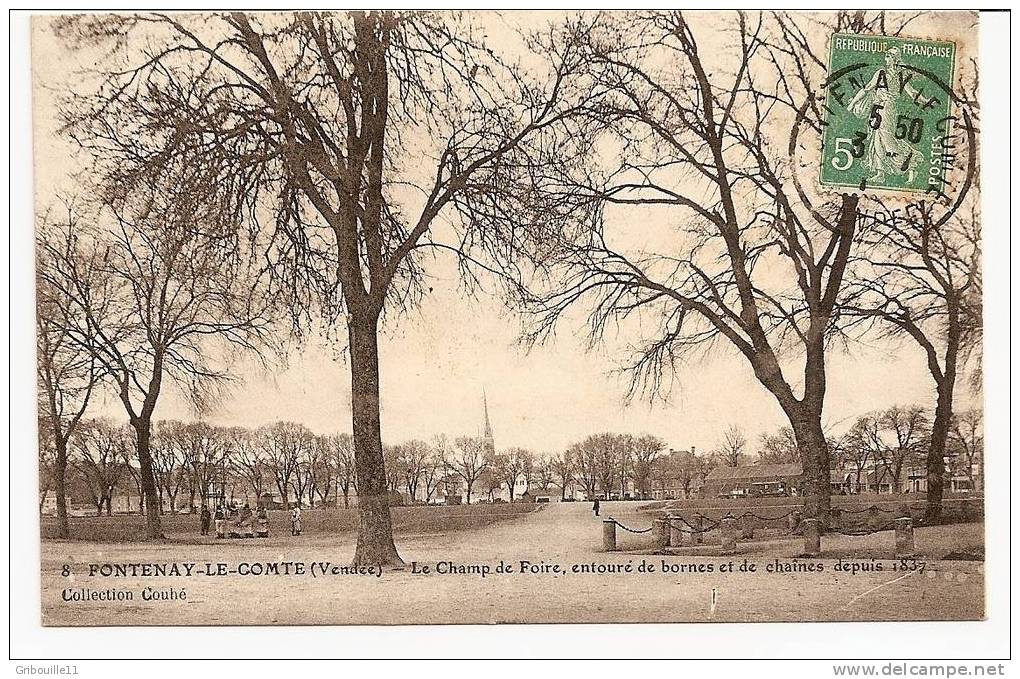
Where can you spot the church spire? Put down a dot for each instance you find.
(487, 432)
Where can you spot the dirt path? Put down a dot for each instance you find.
(562, 544)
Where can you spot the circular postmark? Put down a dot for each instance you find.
(888, 126)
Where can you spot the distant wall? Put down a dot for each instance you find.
(956, 506)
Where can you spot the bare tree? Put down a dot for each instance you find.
(66, 371)
(394, 469)
(434, 468)
(585, 464)
(283, 444)
(646, 449)
(342, 450)
(562, 465)
(600, 461)
(102, 450)
(910, 429)
(170, 450)
(135, 472)
(690, 468)
(731, 449)
(248, 459)
(967, 441)
(304, 479)
(467, 460)
(206, 449)
(47, 466)
(529, 467)
(546, 473)
(920, 278)
(855, 449)
(895, 438)
(624, 460)
(490, 480)
(759, 262)
(154, 293)
(358, 133)
(508, 467)
(778, 448)
(415, 456)
(323, 470)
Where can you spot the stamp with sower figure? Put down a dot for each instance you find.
(888, 113)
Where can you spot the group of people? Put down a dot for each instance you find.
(230, 521)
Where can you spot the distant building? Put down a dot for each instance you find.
(674, 478)
(544, 495)
(878, 478)
(672, 488)
(49, 505)
(754, 480)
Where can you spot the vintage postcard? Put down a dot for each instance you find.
(406, 318)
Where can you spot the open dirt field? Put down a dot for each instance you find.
(588, 585)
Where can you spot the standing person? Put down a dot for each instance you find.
(206, 518)
(595, 506)
(295, 521)
(244, 522)
(221, 520)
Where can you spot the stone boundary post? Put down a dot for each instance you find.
(812, 537)
(793, 521)
(904, 537)
(676, 533)
(662, 538)
(746, 527)
(874, 518)
(699, 524)
(609, 535)
(729, 536)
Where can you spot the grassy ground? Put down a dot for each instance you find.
(568, 578)
(328, 521)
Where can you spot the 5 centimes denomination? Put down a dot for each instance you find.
(889, 110)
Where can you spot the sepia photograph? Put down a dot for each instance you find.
(381, 317)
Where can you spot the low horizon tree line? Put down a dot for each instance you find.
(887, 442)
(196, 461)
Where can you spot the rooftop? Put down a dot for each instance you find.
(755, 471)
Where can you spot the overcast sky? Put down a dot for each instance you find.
(436, 362)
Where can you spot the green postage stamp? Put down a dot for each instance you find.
(888, 113)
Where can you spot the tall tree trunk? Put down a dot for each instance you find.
(375, 530)
(936, 465)
(284, 493)
(63, 529)
(143, 436)
(814, 455)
